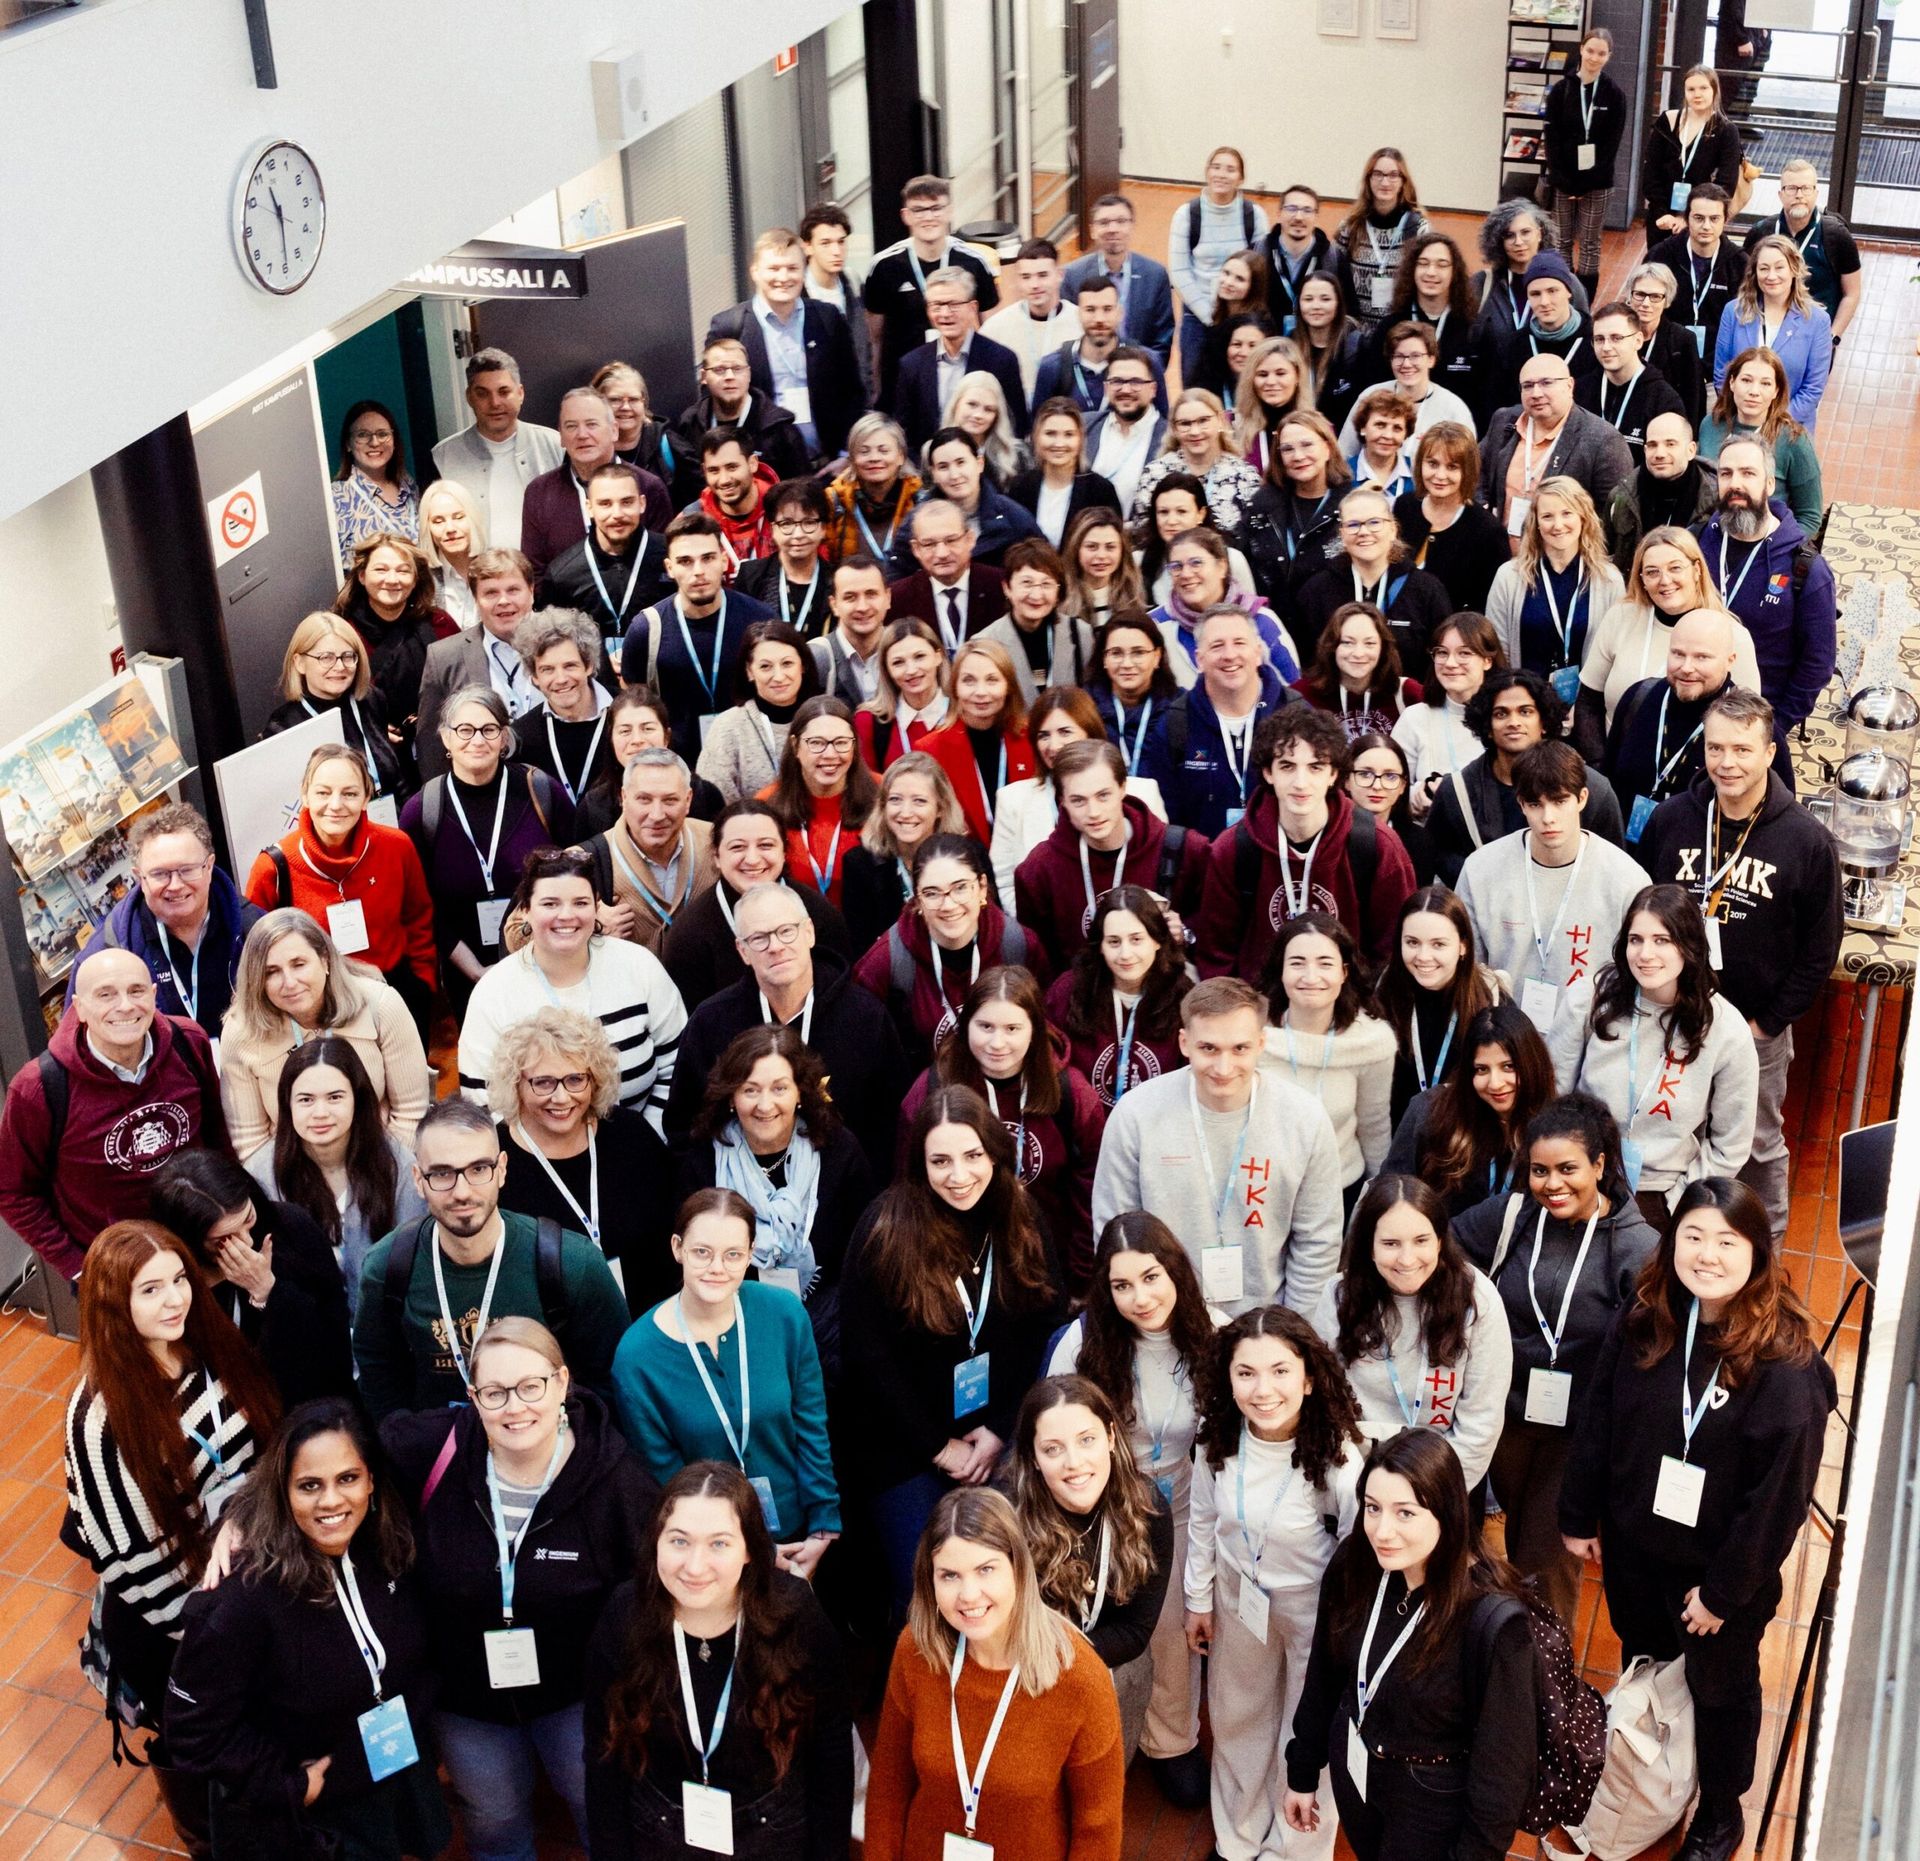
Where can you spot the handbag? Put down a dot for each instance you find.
(1648, 1778)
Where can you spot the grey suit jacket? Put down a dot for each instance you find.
(451, 664)
(1589, 450)
(464, 458)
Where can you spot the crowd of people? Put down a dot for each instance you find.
(1210, 970)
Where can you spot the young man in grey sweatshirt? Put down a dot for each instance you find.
(1241, 1165)
(1546, 902)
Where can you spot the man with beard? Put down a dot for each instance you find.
(1669, 487)
(619, 566)
(1656, 745)
(553, 513)
(1772, 578)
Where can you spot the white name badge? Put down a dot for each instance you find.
(1549, 1396)
(493, 914)
(1223, 1272)
(708, 1814)
(1713, 942)
(964, 1848)
(512, 1658)
(1538, 1000)
(1583, 156)
(1381, 291)
(799, 403)
(1676, 1495)
(1252, 1609)
(787, 1278)
(707, 721)
(1356, 1761)
(347, 926)
(1698, 331)
(1517, 515)
(385, 809)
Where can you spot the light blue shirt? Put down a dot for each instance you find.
(787, 363)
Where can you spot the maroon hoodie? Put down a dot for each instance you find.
(930, 1002)
(1050, 890)
(1236, 933)
(1057, 1164)
(1097, 1055)
(116, 1136)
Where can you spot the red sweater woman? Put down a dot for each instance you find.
(361, 880)
(986, 746)
(823, 794)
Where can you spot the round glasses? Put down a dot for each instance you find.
(529, 1390)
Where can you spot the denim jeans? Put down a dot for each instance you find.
(492, 1770)
(1765, 1170)
(900, 1515)
(1193, 345)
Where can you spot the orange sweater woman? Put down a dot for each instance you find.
(1051, 1786)
(362, 881)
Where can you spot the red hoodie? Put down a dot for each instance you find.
(1238, 926)
(925, 1008)
(1057, 1163)
(1050, 890)
(116, 1135)
(1097, 1055)
(380, 869)
(749, 536)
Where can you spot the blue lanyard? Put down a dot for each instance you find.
(876, 549)
(1252, 1543)
(1411, 1416)
(1754, 553)
(1139, 736)
(806, 606)
(1000, 781)
(1636, 1097)
(1692, 1415)
(1663, 765)
(1564, 628)
(737, 1442)
(1420, 1059)
(1124, 1061)
(660, 908)
(1495, 1186)
(709, 681)
(1240, 1150)
(208, 1443)
(976, 1319)
(711, 1743)
(1156, 1433)
(189, 992)
(1293, 1057)
(510, 1547)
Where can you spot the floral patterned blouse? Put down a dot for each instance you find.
(359, 511)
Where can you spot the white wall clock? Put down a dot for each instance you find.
(279, 217)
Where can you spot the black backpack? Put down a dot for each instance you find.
(1197, 205)
(548, 1278)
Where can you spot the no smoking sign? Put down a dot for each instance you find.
(237, 519)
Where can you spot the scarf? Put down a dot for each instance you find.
(783, 1218)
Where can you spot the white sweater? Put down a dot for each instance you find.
(1493, 887)
(1283, 1206)
(1162, 1396)
(1508, 596)
(1466, 1401)
(736, 757)
(1352, 1079)
(1425, 730)
(1295, 1544)
(1691, 1118)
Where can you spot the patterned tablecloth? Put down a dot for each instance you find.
(1874, 541)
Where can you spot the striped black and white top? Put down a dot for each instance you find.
(138, 1566)
(627, 990)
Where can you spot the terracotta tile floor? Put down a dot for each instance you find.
(63, 1799)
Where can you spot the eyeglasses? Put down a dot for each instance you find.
(1799, 187)
(1358, 526)
(545, 1085)
(530, 1389)
(934, 896)
(331, 660)
(1650, 294)
(479, 1173)
(367, 436)
(734, 1258)
(1378, 778)
(828, 746)
(487, 733)
(1192, 423)
(796, 523)
(164, 877)
(785, 935)
(1128, 381)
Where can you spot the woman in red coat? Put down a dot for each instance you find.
(985, 747)
(361, 880)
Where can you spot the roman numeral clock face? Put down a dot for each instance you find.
(279, 218)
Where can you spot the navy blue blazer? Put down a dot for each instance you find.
(1057, 375)
(1149, 318)
(833, 371)
(916, 391)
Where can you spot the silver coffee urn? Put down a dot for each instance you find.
(1871, 814)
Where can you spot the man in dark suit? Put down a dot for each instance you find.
(930, 374)
(1547, 436)
(1078, 370)
(799, 350)
(1145, 291)
(950, 591)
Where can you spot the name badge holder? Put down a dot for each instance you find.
(1540, 995)
(706, 1811)
(1252, 1608)
(491, 911)
(386, 1734)
(1633, 1154)
(1156, 1432)
(956, 1847)
(1367, 1690)
(1538, 1002)
(971, 1379)
(347, 926)
(1550, 1391)
(1681, 1486)
(513, 1655)
(1223, 1264)
(762, 1486)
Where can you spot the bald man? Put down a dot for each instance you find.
(120, 1088)
(1668, 486)
(1547, 436)
(1656, 746)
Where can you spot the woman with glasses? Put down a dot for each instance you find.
(916, 801)
(743, 750)
(1546, 602)
(1131, 681)
(1102, 576)
(1293, 523)
(914, 697)
(793, 580)
(1651, 289)
(567, 964)
(388, 600)
(294, 983)
(575, 1154)
(823, 794)
(533, 1460)
(727, 1370)
(1179, 506)
(1200, 443)
(373, 493)
(1754, 401)
(1379, 779)
(1373, 568)
(327, 671)
(333, 1156)
(1367, 242)
(639, 438)
(1434, 734)
(452, 533)
(472, 828)
(1200, 576)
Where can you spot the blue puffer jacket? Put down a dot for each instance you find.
(1187, 755)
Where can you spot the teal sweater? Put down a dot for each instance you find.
(1796, 470)
(410, 1366)
(667, 1417)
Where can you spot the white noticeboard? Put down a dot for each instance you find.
(259, 788)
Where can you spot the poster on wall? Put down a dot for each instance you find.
(1339, 19)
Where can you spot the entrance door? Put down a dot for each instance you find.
(1835, 82)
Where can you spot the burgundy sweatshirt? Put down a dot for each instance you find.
(930, 1005)
(116, 1136)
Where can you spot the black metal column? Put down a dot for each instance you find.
(153, 522)
(896, 121)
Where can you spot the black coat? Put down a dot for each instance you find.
(699, 952)
(1464, 558)
(833, 373)
(301, 1334)
(392, 769)
(1287, 542)
(1416, 606)
(872, 894)
(586, 1537)
(775, 436)
(569, 581)
(1716, 159)
(1090, 492)
(916, 389)
(1630, 411)
(1566, 130)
